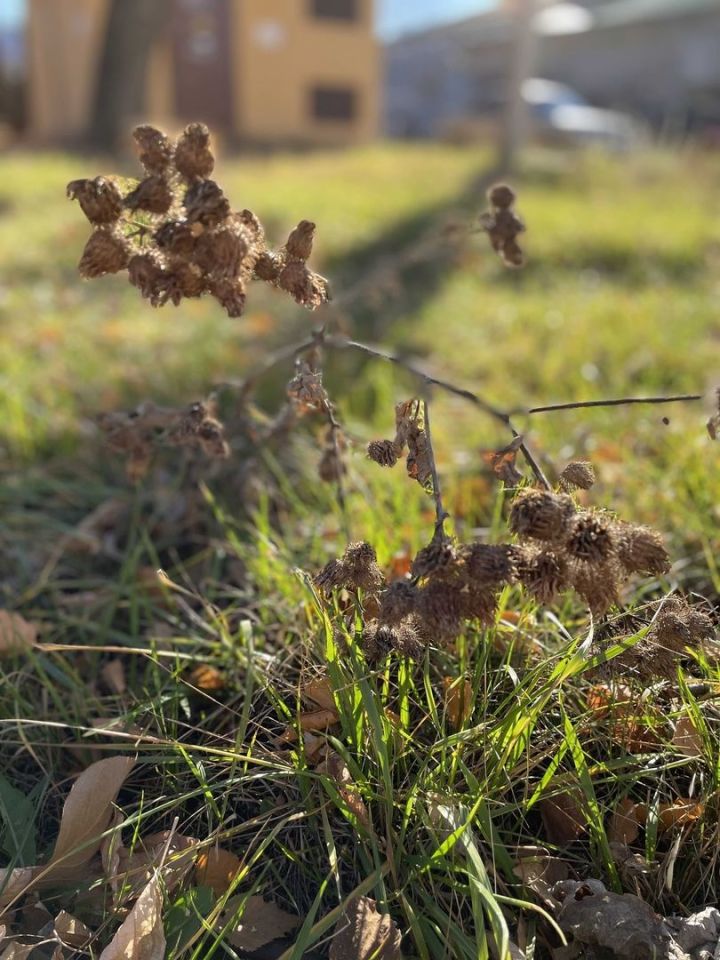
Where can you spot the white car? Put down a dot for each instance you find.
(560, 113)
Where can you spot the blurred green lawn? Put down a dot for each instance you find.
(621, 295)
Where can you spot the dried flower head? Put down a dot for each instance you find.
(332, 468)
(590, 539)
(379, 639)
(541, 514)
(640, 549)
(188, 242)
(436, 558)
(398, 601)
(580, 474)
(503, 226)
(356, 569)
(383, 452)
(598, 583)
(490, 564)
(306, 389)
(544, 574)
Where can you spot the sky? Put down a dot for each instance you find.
(394, 16)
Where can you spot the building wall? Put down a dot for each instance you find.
(279, 52)
(283, 52)
(64, 42)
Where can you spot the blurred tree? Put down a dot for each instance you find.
(132, 28)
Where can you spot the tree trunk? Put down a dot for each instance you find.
(522, 61)
(132, 28)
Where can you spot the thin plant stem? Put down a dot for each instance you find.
(618, 402)
(440, 513)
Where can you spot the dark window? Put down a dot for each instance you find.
(334, 103)
(335, 9)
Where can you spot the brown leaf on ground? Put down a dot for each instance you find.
(16, 634)
(503, 462)
(539, 871)
(622, 925)
(86, 815)
(319, 692)
(113, 676)
(311, 721)
(563, 816)
(71, 931)
(364, 934)
(687, 739)
(17, 951)
(335, 767)
(141, 935)
(624, 826)
(217, 868)
(261, 922)
(679, 813)
(13, 882)
(458, 701)
(171, 854)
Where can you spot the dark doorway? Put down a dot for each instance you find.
(202, 48)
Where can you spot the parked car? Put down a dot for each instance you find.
(559, 113)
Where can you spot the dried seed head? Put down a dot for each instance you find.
(590, 539)
(99, 199)
(306, 389)
(544, 574)
(105, 252)
(398, 601)
(597, 583)
(361, 567)
(409, 639)
(332, 575)
(175, 237)
(541, 515)
(193, 157)
(152, 194)
(221, 252)
(206, 203)
(268, 267)
(146, 273)
(678, 625)
(383, 452)
(300, 241)
(211, 435)
(441, 607)
(579, 474)
(183, 280)
(436, 558)
(154, 148)
(640, 549)
(490, 564)
(306, 287)
(378, 639)
(231, 295)
(332, 468)
(501, 195)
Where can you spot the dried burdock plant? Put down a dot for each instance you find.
(503, 225)
(140, 432)
(177, 236)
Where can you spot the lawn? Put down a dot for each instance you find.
(428, 780)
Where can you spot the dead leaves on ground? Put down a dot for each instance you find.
(17, 635)
(141, 935)
(260, 923)
(362, 933)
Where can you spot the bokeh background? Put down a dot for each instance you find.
(384, 123)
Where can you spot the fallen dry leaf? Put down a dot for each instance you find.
(261, 922)
(624, 826)
(217, 868)
(113, 676)
(71, 931)
(206, 678)
(110, 851)
(86, 815)
(13, 882)
(563, 816)
(319, 692)
(141, 935)
(17, 951)
(502, 462)
(96, 530)
(16, 634)
(336, 768)
(458, 701)
(311, 721)
(364, 934)
(171, 854)
(679, 813)
(687, 739)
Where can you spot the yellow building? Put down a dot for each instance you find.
(261, 71)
